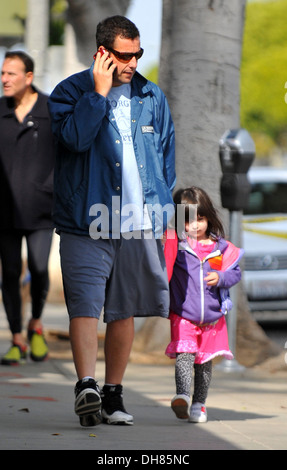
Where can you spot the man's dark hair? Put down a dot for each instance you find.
(26, 59)
(110, 28)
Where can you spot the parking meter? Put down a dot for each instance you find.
(236, 152)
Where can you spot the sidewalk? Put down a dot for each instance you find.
(246, 410)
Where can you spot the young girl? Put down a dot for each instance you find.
(201, 266)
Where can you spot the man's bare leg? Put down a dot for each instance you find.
(84, 342)
(118, 344)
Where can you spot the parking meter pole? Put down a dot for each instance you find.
(235, 221)
(233, 365)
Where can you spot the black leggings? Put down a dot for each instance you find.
(38, 250)
(184, 366)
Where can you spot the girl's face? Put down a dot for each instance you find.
(197, 228)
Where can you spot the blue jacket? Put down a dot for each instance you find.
(190, 296)
(89, 154)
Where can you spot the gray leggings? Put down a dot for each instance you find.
(184, 366)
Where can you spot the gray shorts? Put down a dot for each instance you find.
(125, 277)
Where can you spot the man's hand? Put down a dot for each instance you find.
(103, 73)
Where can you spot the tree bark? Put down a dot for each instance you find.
(200, 73)
(84, 15)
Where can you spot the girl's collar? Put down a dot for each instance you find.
(194, 243)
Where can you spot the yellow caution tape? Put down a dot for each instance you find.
(269, 219)
(266, 232)
(270, 233)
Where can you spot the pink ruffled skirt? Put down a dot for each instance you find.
(206, 342)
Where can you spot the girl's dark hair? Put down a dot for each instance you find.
(195, 195)
(26, 59)
(110, 28)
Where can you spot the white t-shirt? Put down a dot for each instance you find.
(133, 210)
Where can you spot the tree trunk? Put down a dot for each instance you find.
(200, 75)
(200, 72)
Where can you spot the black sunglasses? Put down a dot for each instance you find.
(126, 57)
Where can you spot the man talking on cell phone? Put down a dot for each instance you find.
(114, 176)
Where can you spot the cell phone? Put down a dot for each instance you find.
(102, 50)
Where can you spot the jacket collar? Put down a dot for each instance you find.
(39, 109)
(140, 85)
(220, 246)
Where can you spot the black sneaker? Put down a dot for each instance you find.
(88, 402)
(113, 410)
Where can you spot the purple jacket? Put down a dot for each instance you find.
(190, 296)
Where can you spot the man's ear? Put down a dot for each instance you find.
(29, 77)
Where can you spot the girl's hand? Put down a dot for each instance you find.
(103, 73)
(212, 278)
